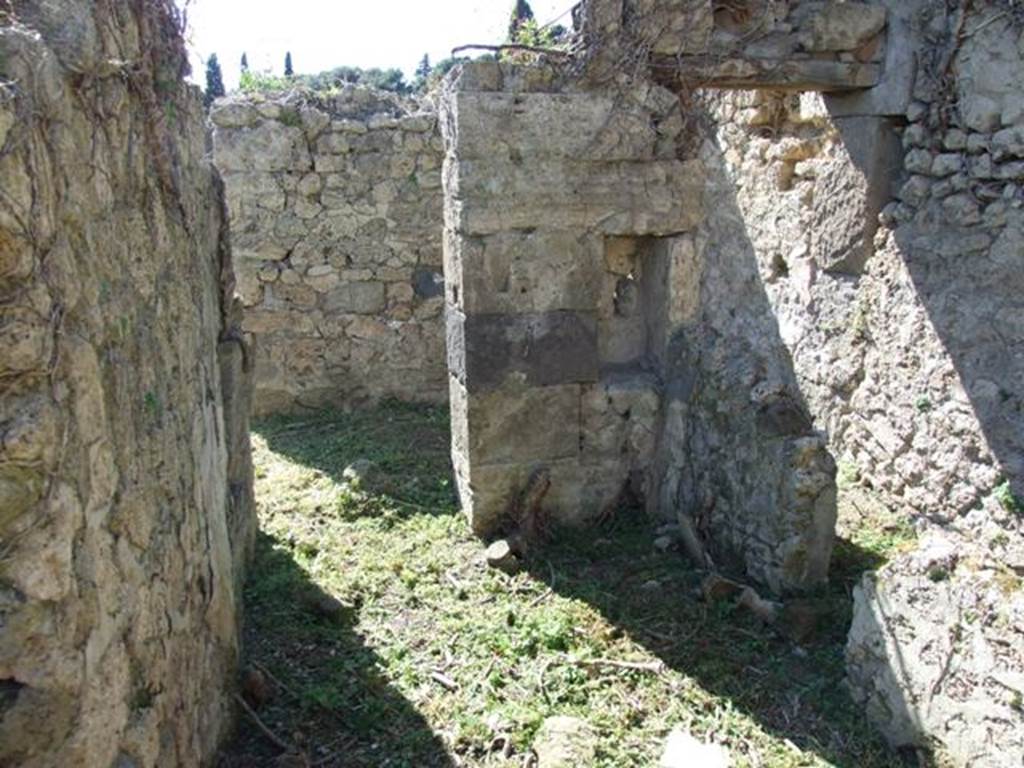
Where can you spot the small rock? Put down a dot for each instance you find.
(1013, 110)
(916, 111)
(500, 555)
(946, 164)
(799, 619)
(682, 750)
(955, 140)
(981, 167)
(664, 543)
(651, 586)
(918, 161)
(915, 136)
(565, 742)
(324, 605)
(961, 210)
(765, 610)
(360, 472)
(981, 114)
(255, 688)
(1008, 143)
(715, 588)
(978, 143)
(916, 190)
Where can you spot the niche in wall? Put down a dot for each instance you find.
(632, 305)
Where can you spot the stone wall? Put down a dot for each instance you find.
(125, 483)
(601, 338)
(335, 206)
(853, 288)
(888, 242)
(817, 45)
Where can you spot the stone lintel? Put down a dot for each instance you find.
(781, 75)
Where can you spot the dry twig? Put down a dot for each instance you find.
(277, 740)
(513, 47)
(654, 667)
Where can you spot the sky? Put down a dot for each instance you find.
(323, 34)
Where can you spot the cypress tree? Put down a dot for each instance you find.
(288, 71)
(521, 13)
(214, 80)
(423, 70)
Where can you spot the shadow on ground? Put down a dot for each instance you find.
(324, 694)
(510, 647)
(795, 692)
(406, 444)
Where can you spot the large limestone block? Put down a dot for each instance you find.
(580, 491)
(531, 127)
(532, 271)
(270, 146)
(617, 198)
(536, 349)
(515, 424)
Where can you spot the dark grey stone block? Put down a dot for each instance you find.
(545, 348)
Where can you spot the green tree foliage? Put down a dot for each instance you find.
(521, 14)
(245, 62)
(263, 82)
(214, 80)
(384, 79)
(288, 70)
(438, 71)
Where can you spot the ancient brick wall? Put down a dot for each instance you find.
(335, 206)
(125, 482)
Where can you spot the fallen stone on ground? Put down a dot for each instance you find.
(500, 555)
(565, 742)
(682, 750)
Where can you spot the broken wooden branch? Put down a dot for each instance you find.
(653, 667)
(513, 47)
(277, 740)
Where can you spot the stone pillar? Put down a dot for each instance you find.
(555, 201)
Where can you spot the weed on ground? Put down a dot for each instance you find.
(377, 636)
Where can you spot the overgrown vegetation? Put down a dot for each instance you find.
(377, 636)
(392, 79)
(1010, 501)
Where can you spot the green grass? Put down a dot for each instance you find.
(436, 660)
